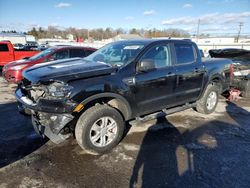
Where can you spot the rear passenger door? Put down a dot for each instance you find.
(77, 53)
(190, 73)
(154, 88)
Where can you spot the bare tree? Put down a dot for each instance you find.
(100, 33)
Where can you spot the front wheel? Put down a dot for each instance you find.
(208, 102)
(99, 129)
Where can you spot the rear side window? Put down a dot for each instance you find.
(4, 48)
(77, 53)
(88, 52)
(184, 53)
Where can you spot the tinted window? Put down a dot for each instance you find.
(77, 53)
(4, 48)
(184, 53)
(160, 55)
(88, 52)
(62, 54)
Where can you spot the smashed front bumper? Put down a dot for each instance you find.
(51, 125)
(45, 105)
(49, 117)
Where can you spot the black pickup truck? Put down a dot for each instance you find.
(92, 98)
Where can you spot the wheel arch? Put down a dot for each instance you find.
(112, 99)
(215, 79)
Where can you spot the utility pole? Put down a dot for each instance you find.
(241, 24)
(198, 30)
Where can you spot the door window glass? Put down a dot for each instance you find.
(184, 53)
(62, 54)
(160, 55)
(77, 53)
(88, 52)
(4, 48)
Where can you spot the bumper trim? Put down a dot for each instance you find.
(24, 100)
(52, 129)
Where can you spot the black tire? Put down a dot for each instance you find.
(90, 118)
(202, 103)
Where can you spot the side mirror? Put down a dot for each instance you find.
(26, 57)
(146, 65)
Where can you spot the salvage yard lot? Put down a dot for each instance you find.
(185, 149)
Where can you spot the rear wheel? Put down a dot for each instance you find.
(208, 102)
(99, 129)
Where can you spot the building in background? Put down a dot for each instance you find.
(127, 37)
(215, 40)
(15, 38)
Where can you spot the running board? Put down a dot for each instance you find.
(163, 113)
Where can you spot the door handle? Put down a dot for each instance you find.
(196, 70)
(170, 74)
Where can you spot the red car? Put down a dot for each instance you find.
(12, 72)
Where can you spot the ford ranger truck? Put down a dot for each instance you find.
(93, 98)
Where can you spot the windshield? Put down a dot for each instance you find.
(117, 53)
(42, 54)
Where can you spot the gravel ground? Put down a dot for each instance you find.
(185, 149)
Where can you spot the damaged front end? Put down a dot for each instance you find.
(51, 107)
(52, 125)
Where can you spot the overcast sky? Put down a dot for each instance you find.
(215, 16)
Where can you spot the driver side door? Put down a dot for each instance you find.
(154, 87)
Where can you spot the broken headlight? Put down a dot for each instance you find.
(59, 89)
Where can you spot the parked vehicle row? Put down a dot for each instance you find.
(8, 53)
(93, 97)
(12, 72)
(30, 46)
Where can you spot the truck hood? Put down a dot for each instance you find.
(66, 70)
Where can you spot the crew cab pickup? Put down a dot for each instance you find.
(8, 53)
(93, 97)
